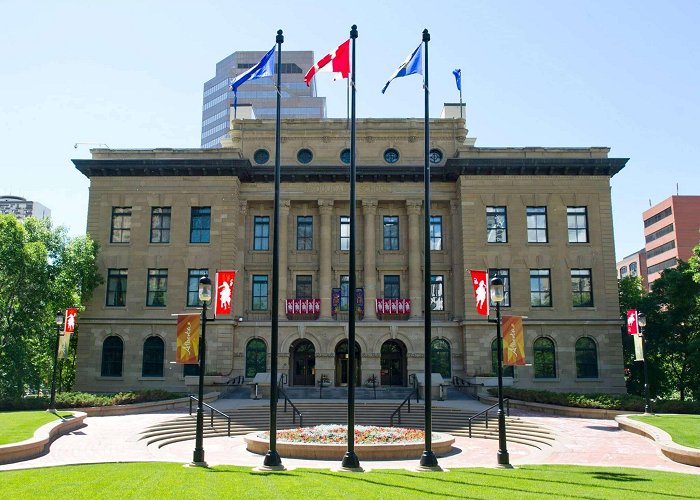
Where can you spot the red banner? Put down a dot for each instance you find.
(396, 307)
(303, 307)
(69, 325)
(224, 292)
(632, 327)
(187, 348)
(513, 340)
(481, 292)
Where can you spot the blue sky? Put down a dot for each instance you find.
(548, 73)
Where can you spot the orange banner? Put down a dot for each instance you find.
(187, 349)
(513, 340)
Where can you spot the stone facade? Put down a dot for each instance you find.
(465, 181)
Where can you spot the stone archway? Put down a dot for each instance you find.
(342, 361)
(303, 355)
(393, 363)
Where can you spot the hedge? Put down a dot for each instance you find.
(84, 399)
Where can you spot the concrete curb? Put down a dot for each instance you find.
(108, 411)
(42, 439)
(565, 411)
(676, 452)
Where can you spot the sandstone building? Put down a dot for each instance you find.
(541, 218)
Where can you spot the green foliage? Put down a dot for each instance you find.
(42, 271)
(85, 400)
(168, 480)
(623, 402)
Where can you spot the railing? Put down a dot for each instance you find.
(397, 411)
(232, 381)
(212, 411)
(321, 383)
(302, 308)
(295, 411)
(413, 380)
(485, 414)
(393, 308)
(463, 385)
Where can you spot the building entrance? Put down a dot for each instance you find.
(342, 363)
(303, 354)
(393, 363)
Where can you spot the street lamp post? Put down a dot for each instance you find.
(642, 322)
(204, 297)
(59, 325)
(497, 295)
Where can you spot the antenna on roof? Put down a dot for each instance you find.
(676, 189)
(649, 202)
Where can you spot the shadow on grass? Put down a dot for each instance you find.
(617, 476)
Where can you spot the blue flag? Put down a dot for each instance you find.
(265, 67)
(412, 65)
(458, 77)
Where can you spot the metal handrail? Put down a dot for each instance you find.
(398, 410)
(486, 414)
(295, 410)
(211, 413)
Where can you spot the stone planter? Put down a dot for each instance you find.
(489, 381)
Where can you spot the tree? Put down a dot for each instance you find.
(632, 296)
(42, 271)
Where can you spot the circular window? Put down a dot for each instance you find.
(261, 156)
(345, 156)
(435, 156)
(391, 155)
(305, 156)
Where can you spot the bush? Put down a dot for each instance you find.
(85, 399)
(623, 402)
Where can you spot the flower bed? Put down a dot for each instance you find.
(329, 442)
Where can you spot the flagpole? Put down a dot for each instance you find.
(428, 459)
(350, 460)
(272, 459)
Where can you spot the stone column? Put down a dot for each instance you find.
(414, 253)
(369, 213)
(325, 208)
(241, 291)
(453, 242)
(284, 251)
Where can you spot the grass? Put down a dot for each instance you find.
(684, 429)
(16, 426)
(167, 480)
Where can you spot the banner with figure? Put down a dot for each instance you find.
(224, 292)
(632, 327)
(70, 318)
(187, 348)
(513, 340)
(481, 292)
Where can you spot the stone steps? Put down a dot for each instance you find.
(256, 418)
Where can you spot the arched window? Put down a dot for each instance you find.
(441, 358)
(112, 354)
(153, 354)
(545, 358)
(255, 357)
(508, 371)
(586, 358)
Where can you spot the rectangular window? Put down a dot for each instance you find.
(121, 225)
(657, 268)
(160, 224)
(496, 225)
(305, 232)
(658, 234)
(633, 269)
(437, 292)
(157, 287)
(260, 302)
(504, 274)
(116, 287)
(577, 222)
(344, 292)
(537, 224)
(391, 232)
(540, 288)
(193, 276)
(304, 286)
(670, 245)
(392, 287)
(436, 233)
(200, 224)
(657, 217)
(261, 236)
(344, 233)
(581, 288)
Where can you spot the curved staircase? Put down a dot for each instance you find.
(256, 418)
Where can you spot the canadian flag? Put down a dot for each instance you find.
(632, 327)
(224, 292)
(481, 292)
(339, 60)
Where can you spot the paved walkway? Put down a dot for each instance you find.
(578, 441)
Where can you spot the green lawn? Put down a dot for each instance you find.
(17, 426)
(684, 429)
(167, 480)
